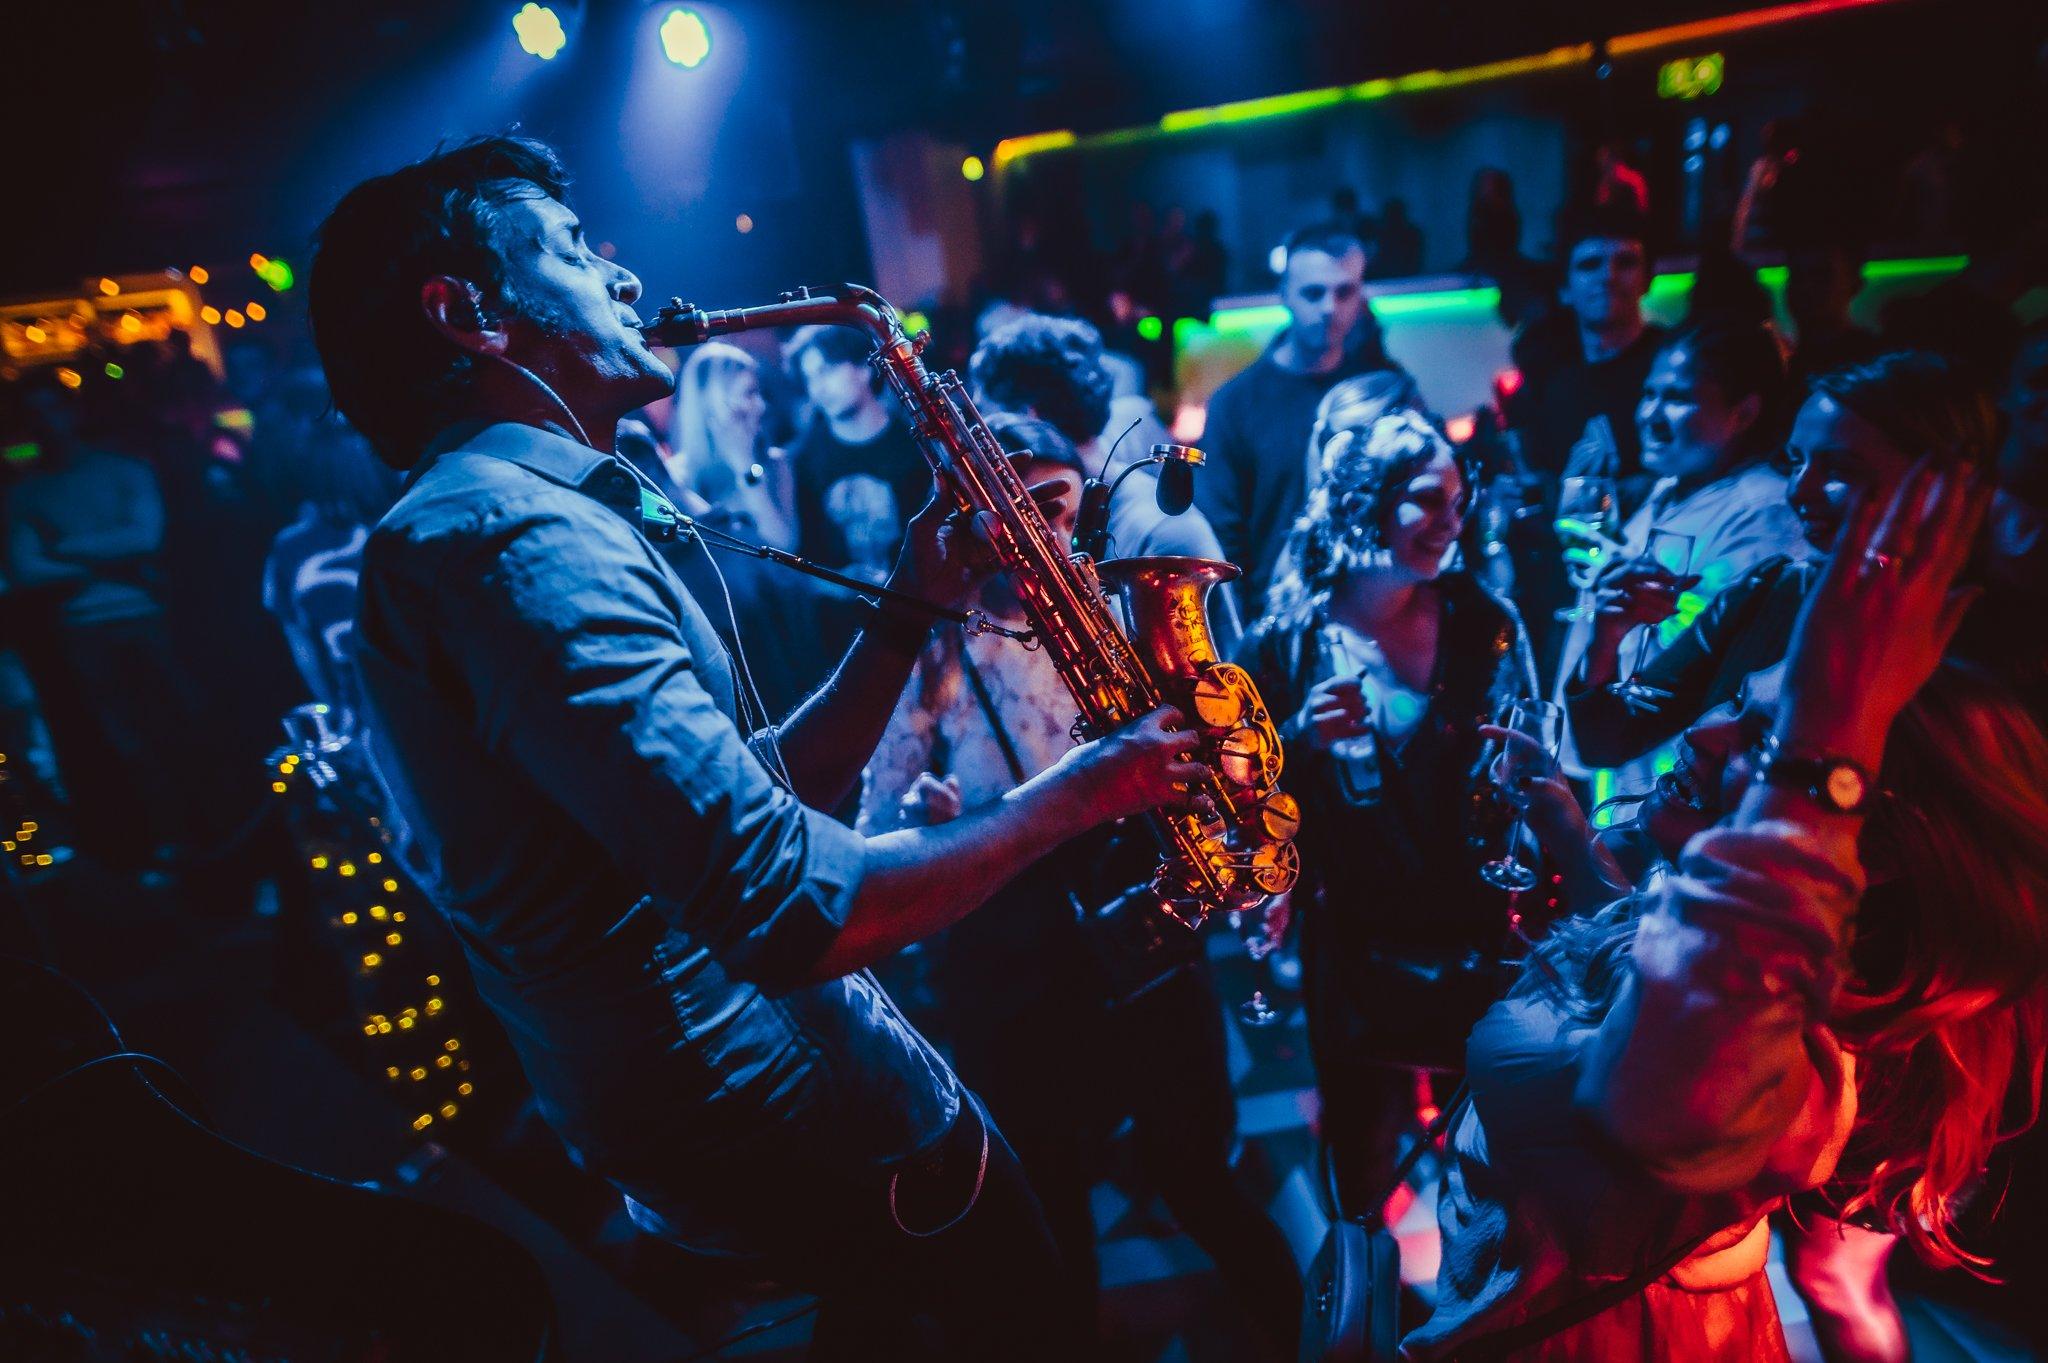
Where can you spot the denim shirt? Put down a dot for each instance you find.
(639, 900)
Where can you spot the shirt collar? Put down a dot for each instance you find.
(553, 456)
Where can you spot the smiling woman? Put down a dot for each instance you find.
(1856, 434)
(1388, 665)
(1710, 412)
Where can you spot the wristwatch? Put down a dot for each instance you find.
(1836, 783)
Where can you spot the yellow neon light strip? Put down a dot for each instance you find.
(1012, 149)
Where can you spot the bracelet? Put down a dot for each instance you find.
(898, 632)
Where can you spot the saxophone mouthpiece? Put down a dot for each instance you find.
(677, 324)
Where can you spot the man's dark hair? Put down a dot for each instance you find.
(835, 345)
(1742, 360)
(393, 375)
(1037, 437)
(1333, 239)
(1607, 222)
(1048, 365)
(1924, 403)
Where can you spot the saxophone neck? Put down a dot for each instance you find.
(682, 324)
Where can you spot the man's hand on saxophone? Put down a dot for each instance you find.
(947, 555)
(1143, 766)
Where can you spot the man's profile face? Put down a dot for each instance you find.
(569, 312)
(1324, 296)
(1605, 280)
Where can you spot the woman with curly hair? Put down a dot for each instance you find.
(1388, 664)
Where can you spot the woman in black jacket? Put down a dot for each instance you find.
(1388, 665)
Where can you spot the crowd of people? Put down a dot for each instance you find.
(1771, 601)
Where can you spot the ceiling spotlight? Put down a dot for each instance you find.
(540, 31)
(685, 38)
(972, 168)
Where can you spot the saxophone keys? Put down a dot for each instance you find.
(1239, 756)
(1247, 757)
(1280, 816)
(1275, 867)
(1217, 704)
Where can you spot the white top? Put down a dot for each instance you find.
(1037, 711)
(1736, 522)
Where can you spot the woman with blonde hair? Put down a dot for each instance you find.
(718, 450)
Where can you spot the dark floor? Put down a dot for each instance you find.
(191, 972)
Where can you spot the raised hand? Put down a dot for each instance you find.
(1639, 593)
(1877, 624)
(948, 555)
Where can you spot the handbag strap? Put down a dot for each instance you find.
(995, 721)
(1431, 1134)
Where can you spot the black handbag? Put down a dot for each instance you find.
(1351, 1302)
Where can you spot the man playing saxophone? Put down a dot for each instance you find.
(674, 936)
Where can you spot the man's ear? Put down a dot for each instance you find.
(1746, 412)
(454, 307)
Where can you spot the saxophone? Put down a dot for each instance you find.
(1236, 846)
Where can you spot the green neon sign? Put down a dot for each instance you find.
(1667, 296)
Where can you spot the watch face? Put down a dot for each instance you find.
(1845, 786)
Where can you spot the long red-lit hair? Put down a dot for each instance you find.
(1949, 1042)
(1948, 1015)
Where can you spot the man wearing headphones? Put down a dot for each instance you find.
(674, 937)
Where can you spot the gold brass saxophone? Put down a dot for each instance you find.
(1237, 847)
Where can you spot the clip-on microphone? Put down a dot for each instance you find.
(1174, 494)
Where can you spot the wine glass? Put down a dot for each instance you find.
(1588, 519)
(1543, 722)
(1672, 552)
(1250, 926)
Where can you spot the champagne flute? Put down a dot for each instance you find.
(1588, 520)
(1544, 722)
(1250, 926)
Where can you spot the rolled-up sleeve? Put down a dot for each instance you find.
(582, 678)
(1714, 1069)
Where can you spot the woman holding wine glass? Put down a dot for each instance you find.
(1388, 664)
(1711, 415)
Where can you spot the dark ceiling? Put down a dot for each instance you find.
(182, 129)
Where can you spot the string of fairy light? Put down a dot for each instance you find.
(17, 843)
(136, 310)
(365, 901)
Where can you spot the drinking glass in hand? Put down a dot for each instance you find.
(1672, 552)
(1543, 723)
(1588, 519)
